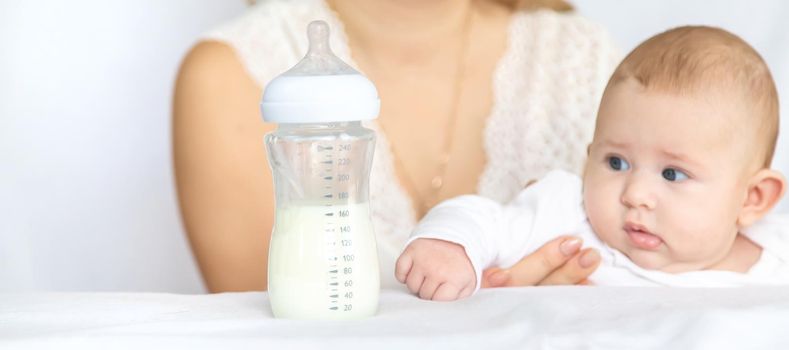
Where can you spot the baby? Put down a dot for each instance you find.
(676, 177)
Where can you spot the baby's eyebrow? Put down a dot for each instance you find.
(679, 157)
(614, 144)
(676, 156)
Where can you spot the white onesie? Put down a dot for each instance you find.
(500, 235)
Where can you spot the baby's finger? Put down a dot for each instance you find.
(403, 266)
(466, 292)
(428, 288)
(446, 292)
(576, 270)
(414, 281)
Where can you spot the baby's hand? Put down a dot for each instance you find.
(436, 270)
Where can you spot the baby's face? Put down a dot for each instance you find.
(665, 178)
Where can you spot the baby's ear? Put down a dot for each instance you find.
(764, 191)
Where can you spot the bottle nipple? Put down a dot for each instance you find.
(318, 36)
(320, 88)
(320, 60)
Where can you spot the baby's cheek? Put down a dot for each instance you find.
(603, 208)
(696, 233)
(604, 221)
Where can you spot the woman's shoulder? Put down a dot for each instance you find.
(271, 35)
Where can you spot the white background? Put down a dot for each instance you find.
(87, 200)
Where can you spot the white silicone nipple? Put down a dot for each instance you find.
(320, 60)
(321, 88)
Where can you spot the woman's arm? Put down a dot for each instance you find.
(221, 171)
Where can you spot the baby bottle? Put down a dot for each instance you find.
(323, 262)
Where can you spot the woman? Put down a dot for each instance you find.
(477, 96)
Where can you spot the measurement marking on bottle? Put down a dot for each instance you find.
(328, 195)
(324, 148)
(328, 178)
(327, 162)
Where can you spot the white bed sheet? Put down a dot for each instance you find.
(511, 318)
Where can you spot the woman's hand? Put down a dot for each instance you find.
(560, 261)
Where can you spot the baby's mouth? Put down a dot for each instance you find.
(641, 237)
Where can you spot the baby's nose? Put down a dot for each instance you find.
(638, 193)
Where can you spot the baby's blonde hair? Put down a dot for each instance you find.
(695, 59)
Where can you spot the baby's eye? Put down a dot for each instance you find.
(618, 164)
(671, 174)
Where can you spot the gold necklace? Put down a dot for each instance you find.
(427, 201)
